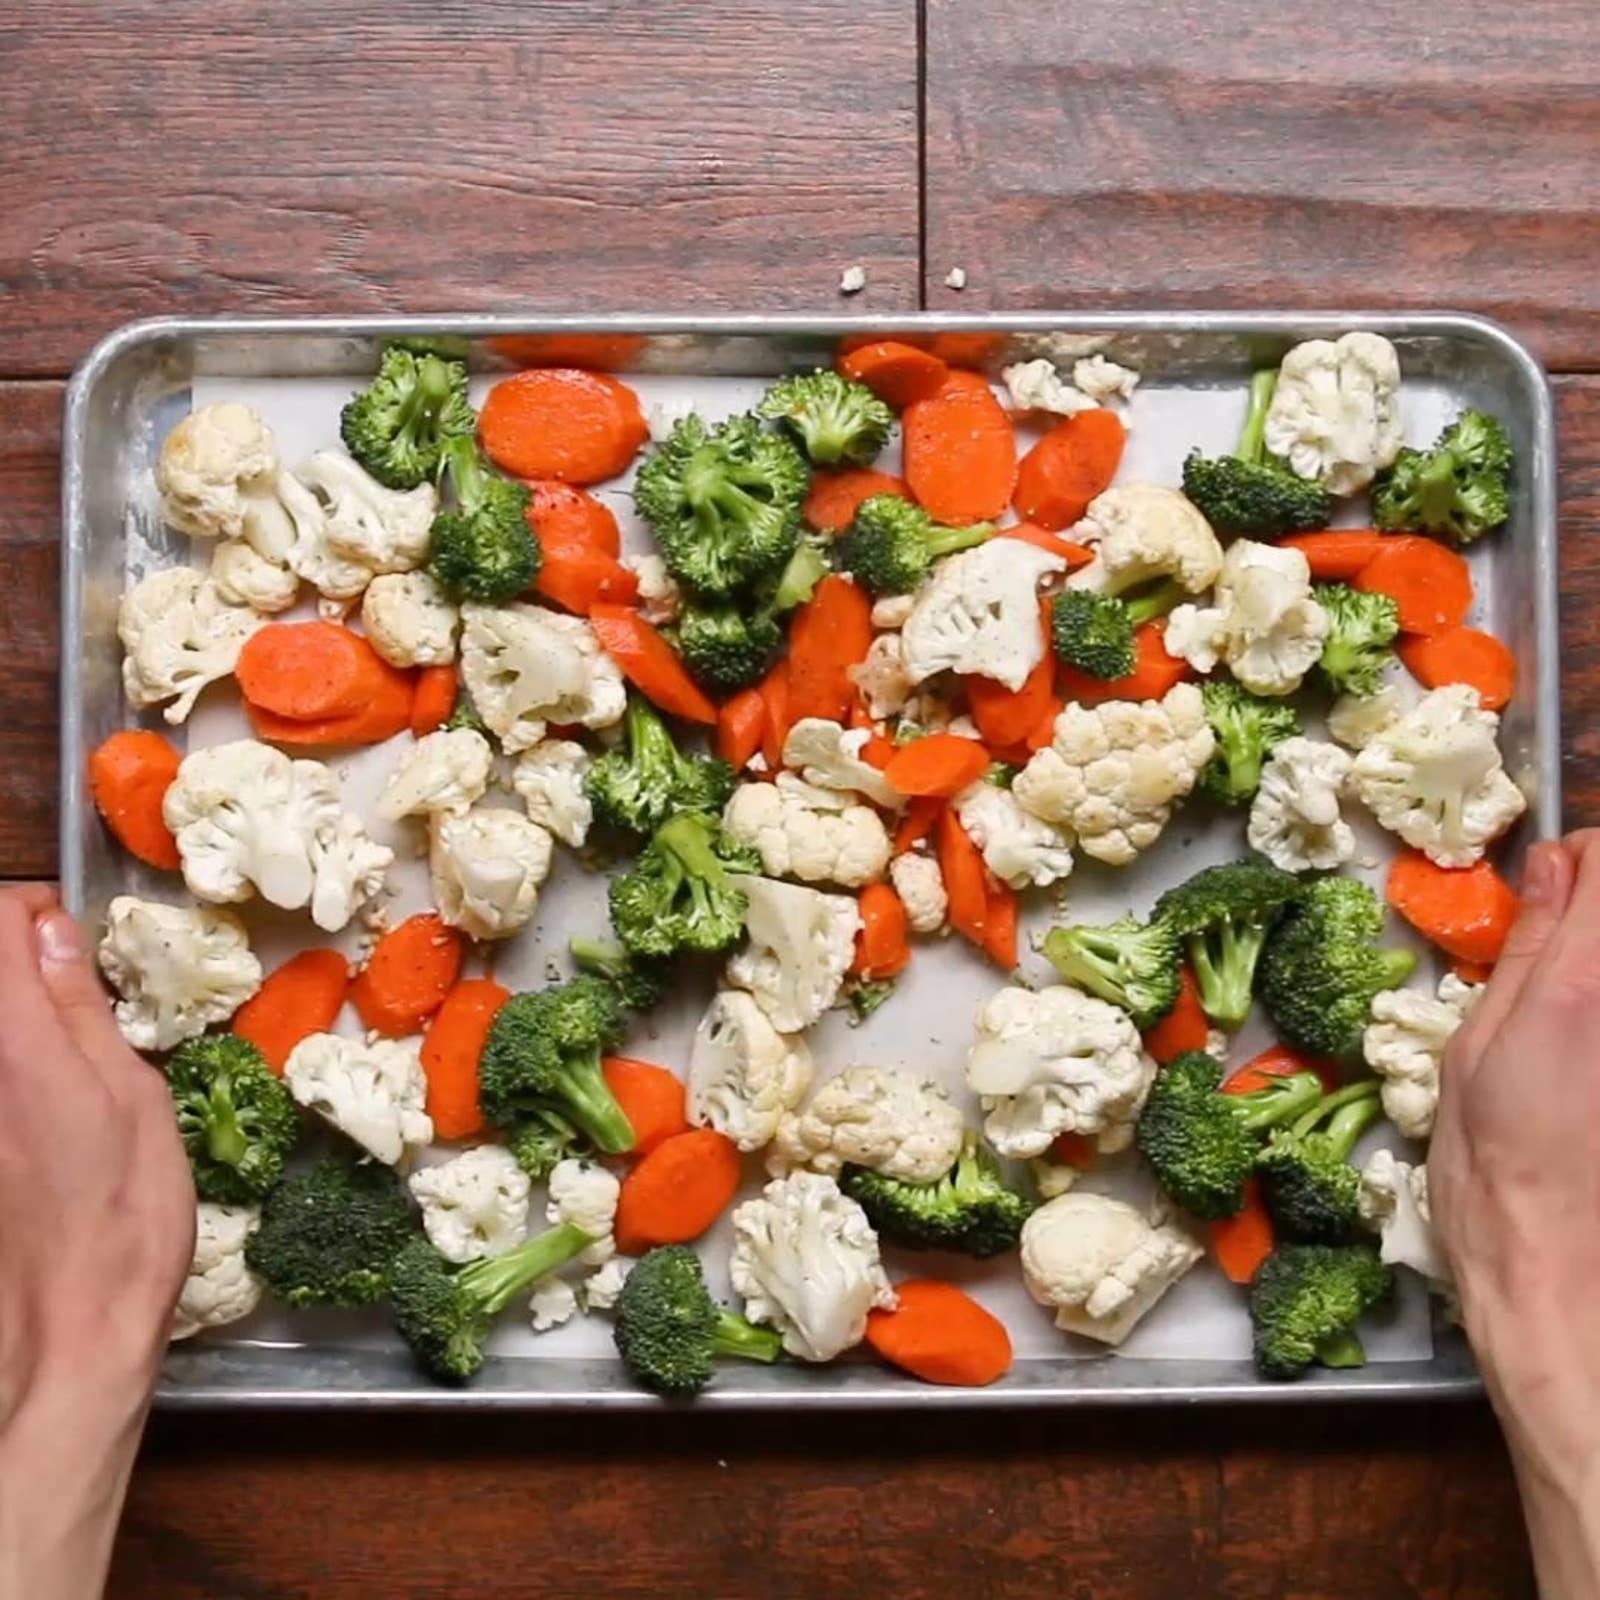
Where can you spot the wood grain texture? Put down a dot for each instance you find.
(430, 155)
(1173, 152)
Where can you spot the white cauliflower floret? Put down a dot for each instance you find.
(220, 1288)
(215, 466)
(744, 1075)
(1100, 1265)
(882, 678)
(549, 779)
(1295, 820)
(526, 665)
(1020, 849)
(178, 635)
(445, 770)
(1113, 772)
(475, 1204)
(372, 1092)
(178, 969)
(1355, 719)
(244, 577)
(1394, 1204)
(1052, 1178)
(1435, 777)
(338, 578)
(1104, 381)
(1140, 532)
(600, 1289)
(828, 755)
(1335, 414)
(920, 885)
(383, 530)
(903, 1127)
(486, 866)
(816, 835)
(1053, 1061)
(1037, 386)
(347, 871)
(805, 1261)
(889, 614)
(659, 601)
(979, 613)
(801, 945)
(409, 620)
(584, 1196)
(554, 1302)
(1405, 1044)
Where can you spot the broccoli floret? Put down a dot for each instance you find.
(465, 714)
(864, 996)
(1202, 1144)
(1247, 727)
(484, 549)
(1321, 967)
(329, 1237)
(968, 1210)
(1094, 632)
(801, 574)
(1362, 627)
(397, 427)
(836, 419)
(1305, 1303)
(237, 1119)
(641, 785)
(891, 544)
(1460, 488)
(1130, 963)
(726, 648)
(444, 1312)
(1249, 492)
(669, 1331)
(1223, 915)
(724, 504)
(640, 980)
(1306, 1177)
(543, 1053)
(543, 1140)
(678, 895)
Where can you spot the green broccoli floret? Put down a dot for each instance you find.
(836, 419)
(1202, 1144)
(465, 714)
(669, 1331)
(1094, 632)
(444, 1312)
(1306, 1177)
(724, 504)
(1305, 1303)
(543, 1140)
(483, 549)
(679, 895)
(1460, 488)
(1223, 915)
(727, 648)
(801, 574)
(865, 996)
(640, 980)
(1249, 492)
(891, 544)
(1130, 963)
(397, 427)
(237, 1119)
(1321, 967)
(1247, 727)
(329, 1237)
(1362, 627)
(543, 1053)
(649, 780)
(968, 1210)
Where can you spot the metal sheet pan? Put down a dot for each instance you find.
(136, 381)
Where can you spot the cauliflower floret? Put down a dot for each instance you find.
(549, 779)
(1354, 719)
(1394, 1204)
(244, 577)
(1037, 386)
(554, 1302)
(1294, 818)
(475, 1204)
(828, 755)
(805, 1261)
(1019, 848)
(409, 620)
(1051, 1178)
(889, 614)
(526, 665)
(371, 1091)
(214, 466)
(1405, 1044)
(801, 945)
(443, 771)
(1100, 1265)
(1114, 772)
(178, 635)
(336, 577)
(660, 601)
(178, 969)
(920, 885)
(220, 1288)
(1140, 532)
(1335, 414)
(979, 612)
(1104, 381)
(816, 835)
(486, 866)
(882, 679)
(383, 530)
(600, 1289)
(347, 871)
(744, 1075)
(585, 1196)
(903, 1127)
(1054, 1061)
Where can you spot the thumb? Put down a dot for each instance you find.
(1547, 881)
(75, 990)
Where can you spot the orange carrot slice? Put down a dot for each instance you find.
(129, 775)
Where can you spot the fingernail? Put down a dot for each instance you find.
(59, 944)
(1539, 875)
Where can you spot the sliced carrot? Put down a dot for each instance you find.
(878, 752)
(677, 1191)
(917, 821)
(580, 577)
(830, 634)
(1000, 917)
(965, 882)
(1075, 555)
(434, 699)
(774, 691)
(1339, 554)
(941, 764)
(966, 349)
(1431, 585)
(1044, 731)
(562, 423)
(1075, 1150)
(304, 996)
(652, 1099)
(960, 455)
(307, 670)
(129, 775)
(1280, 1061)
(940, 1334)
(649, 663)
(1466, 911)
(386, 714)
(897, 373)
(1472, 971)
(410, 971)
(1463, 655)
(1075, 461)
(1185, 1026)
(562, 516)
(1005, 717)
(741, 722)
(601, 352)
(962, 380)
(883, 946)
(1241, 1243)
(451, 1049)
(834, 497)
(1154, 672)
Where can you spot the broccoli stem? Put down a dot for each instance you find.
(462, 464)
(1227, 979)
(424, 402)
(495, 1281)
(1283, 1101)
(806, 569)
(1154, 602)
(594, 1108)
(225, 1139)
(1262, 387)
(1343, 1116)
(946, 541)
(736, 1337)
(1341, 1350)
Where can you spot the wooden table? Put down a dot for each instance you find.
(299, 155)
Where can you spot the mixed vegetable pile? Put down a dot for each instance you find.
(923, 697)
